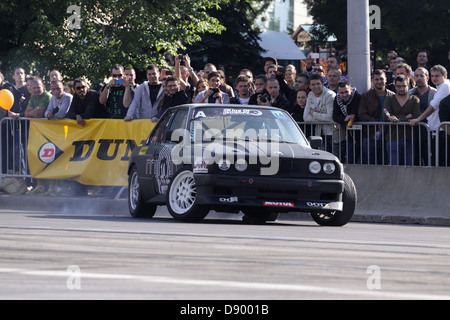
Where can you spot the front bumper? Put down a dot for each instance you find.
(276, 193)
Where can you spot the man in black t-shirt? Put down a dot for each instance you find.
(174, 97)
(85, 103)
(113, 94)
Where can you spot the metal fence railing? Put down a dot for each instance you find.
(443, 145)
(371, 143)
(383, 143)
(13, 148)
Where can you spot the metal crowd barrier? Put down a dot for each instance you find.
(443, 144)
(371, 143)
(383, 143)
(13, 147)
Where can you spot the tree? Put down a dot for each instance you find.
(237, 47)
(40, 35)
(406, 26)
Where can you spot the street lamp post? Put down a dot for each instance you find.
(358, 36)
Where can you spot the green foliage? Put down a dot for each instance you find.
(406, 26)
(130, 32)
(236, 47)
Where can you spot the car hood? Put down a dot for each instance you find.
(265, 149)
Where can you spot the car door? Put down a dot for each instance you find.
(164, 167)
(155, 143)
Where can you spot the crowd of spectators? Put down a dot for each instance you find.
(314, 94)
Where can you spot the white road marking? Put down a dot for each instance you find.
(232, 284)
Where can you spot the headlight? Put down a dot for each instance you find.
(314, 167)
(329, 167)
(241, 165)
(224, 164)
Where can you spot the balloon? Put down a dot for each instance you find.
(6, 99)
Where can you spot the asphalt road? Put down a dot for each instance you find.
(49, 255)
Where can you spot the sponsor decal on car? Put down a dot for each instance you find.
(279, 114)
(200, 166)
(279, 204)
(242, 112)
(317, 204)
(200, 114)
(229, 200)
(143, 150)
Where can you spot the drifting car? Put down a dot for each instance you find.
(232, 158)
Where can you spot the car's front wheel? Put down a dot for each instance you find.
(137, 206)
(340, 218)
(182, 197)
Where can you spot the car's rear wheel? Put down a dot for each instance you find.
(182, 197)
(137, 206)
(340, 218)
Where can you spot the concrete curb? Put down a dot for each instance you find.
(409, 195)
(395, 195)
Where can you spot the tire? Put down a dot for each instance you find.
(181, 198)
(137, 206)
(340, 218)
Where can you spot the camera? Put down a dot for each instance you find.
(119, 81)
(182, 57)
(264, 97)
(215, 91)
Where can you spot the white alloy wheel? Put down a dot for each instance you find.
(134, 191)
(182, 197)
(182, 194)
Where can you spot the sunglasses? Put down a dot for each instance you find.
(80, 87)
(117, 75)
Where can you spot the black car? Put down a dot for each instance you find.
(231, 158)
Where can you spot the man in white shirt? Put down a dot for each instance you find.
(319, 108)
(242, 85)
(59, 103)
(147, 97)
(439, 79)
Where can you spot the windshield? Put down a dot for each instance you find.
(249, 124)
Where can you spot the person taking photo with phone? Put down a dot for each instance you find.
(213, 95)
(113, 94)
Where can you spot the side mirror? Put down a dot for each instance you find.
(315, 142)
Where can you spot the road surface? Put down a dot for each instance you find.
(51, 255)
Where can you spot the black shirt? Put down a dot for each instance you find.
(281, 102)
(444, 109)
(297, 113)
(88, 108)
(154, 90)
(114, 105)
(18, 106)
(177, 99)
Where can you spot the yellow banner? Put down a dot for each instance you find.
(96, 154)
